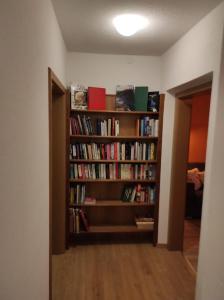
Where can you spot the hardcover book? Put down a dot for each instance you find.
(96, 98)
(153, 101)
(84, 220)
(125, 98)
(78, 97)
(141, 98)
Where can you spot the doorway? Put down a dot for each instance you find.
(200, 106)
(57, 168)
(185, 201)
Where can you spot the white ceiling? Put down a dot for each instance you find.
(87, 24)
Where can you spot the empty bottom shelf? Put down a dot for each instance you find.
(113, 229)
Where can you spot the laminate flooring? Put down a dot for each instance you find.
(191, 242)
(121, 272)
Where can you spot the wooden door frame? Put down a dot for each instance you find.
(53, 83)
(179, 165)
(179, 222)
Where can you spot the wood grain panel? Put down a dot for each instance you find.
(58, 150)
(179, 175)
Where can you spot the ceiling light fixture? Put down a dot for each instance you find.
(129, 24)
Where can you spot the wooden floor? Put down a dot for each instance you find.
(121, 272)
(191, 242)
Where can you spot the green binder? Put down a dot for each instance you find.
(141, 98)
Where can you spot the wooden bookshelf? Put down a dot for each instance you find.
(109, 214)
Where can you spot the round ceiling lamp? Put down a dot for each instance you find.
(129, 24)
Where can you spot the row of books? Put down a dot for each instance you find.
(131, 193)
(113, 151)
(113, 171)
(139, 193)
(77, 194)
(109, 127)
(83, 125)
(133, 98)
(77, 220)
(94, 98)
(128, 97)
(147, 127)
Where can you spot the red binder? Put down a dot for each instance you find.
(96, 98)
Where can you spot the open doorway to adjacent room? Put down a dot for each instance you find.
(188, 168)
(200, 105)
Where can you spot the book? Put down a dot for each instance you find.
(141, 98)
(153, 101)
(84, 220)
(78, 97)
(76, 221)
(90, 200)
(144, 223)
(96, 98)
(71, 220)
(125, 98)
(72, 196)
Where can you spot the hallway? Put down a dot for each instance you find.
(121, 271)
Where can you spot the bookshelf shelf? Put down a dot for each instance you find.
(115, 112)
(113, 138)
(113, 229)
(112, 180)
(113, 161)
(114, 211)
(109, 203)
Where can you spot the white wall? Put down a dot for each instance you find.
(107, 71)
(30, 41)
(194, 55)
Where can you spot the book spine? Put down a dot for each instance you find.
(109, 127)
(137, 128)
(80, 125)
(156, 133)
(77, 229)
